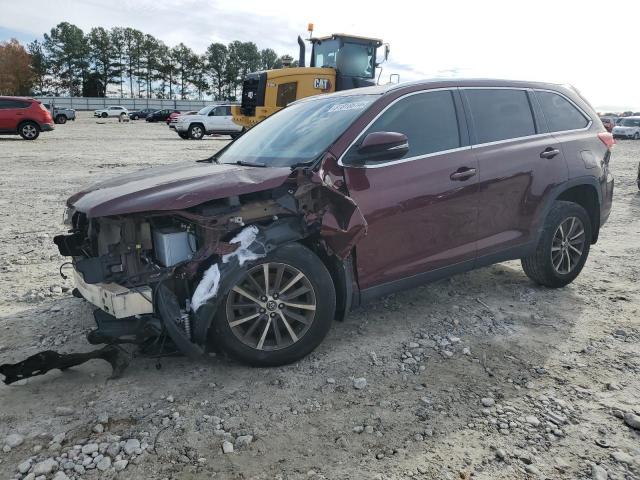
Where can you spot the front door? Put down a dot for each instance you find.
(421, 209)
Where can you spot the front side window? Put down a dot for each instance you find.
(299, 133)
(500, 114)
(286, 93)
(427, 119)
(560, 113)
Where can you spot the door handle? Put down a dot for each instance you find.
(549, 152)
(463, 173)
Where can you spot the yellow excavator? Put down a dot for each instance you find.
(338, 62)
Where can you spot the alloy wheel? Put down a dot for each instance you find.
(271, 307)
(567, 245)
(29, 131)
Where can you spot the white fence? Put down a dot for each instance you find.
(94, 103)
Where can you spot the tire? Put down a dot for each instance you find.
(196, 131)
(135, 117)
(183, 135)
(104, 115)
(236, 135)
(289, 348)
(29, 130)
(61, 119)
(636, 136)
(541, 267)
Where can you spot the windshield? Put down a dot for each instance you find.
(298, 133)
(204, 111)
(631, 122)
(350, 59)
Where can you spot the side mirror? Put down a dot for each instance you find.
(381, 146)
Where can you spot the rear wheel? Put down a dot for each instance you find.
(61, 119)
(29, 130)
(135, 117)
(279, 310)
(563, 247)
(196, 132)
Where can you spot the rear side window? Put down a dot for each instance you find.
(560, 113)
(427, 119)
(500, 114)
(286, 93)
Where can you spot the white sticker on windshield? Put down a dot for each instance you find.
(348, 106)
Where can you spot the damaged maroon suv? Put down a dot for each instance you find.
(334, 201)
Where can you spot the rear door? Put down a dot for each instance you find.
(519, 164)
(421, 209)
(12, 112)
(6, 115)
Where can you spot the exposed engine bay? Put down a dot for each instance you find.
(162, 273)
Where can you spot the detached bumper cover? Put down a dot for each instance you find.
(115, 299)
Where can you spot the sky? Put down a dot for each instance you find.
(591, 45)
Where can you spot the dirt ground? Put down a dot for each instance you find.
(484, 375)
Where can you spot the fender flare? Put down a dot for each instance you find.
(559, 190)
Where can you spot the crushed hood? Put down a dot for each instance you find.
(174, 187)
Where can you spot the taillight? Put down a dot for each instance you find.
(607, 139)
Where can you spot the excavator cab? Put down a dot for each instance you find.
(338, 62)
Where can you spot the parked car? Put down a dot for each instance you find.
(25, 117)
(629, 127)
(608, 123)
(114, 111)
(215, 119)
(336, 200)
(60, 114)
(160, 115)
(141, 113)
(173, 118)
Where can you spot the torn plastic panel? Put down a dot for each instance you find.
(43, 362)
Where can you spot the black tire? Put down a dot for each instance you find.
(539, 267)
(183, 135)
(104, 115)
(306, 262)
(236, 135)
(135, 117)
(196, 131)
(29, 130)
(61, 119)
(636, 136)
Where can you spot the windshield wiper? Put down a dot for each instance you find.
(249, 164)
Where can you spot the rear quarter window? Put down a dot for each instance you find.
(560, 113)
(500, 114)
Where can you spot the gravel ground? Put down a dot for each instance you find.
(484, 375)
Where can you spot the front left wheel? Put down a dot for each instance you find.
(61, 119)
(279, 310)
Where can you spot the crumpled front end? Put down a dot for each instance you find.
(163, 273)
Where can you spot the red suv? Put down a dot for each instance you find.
(336, 200)
(24, 116)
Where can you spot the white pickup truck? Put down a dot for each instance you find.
(212, 120)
